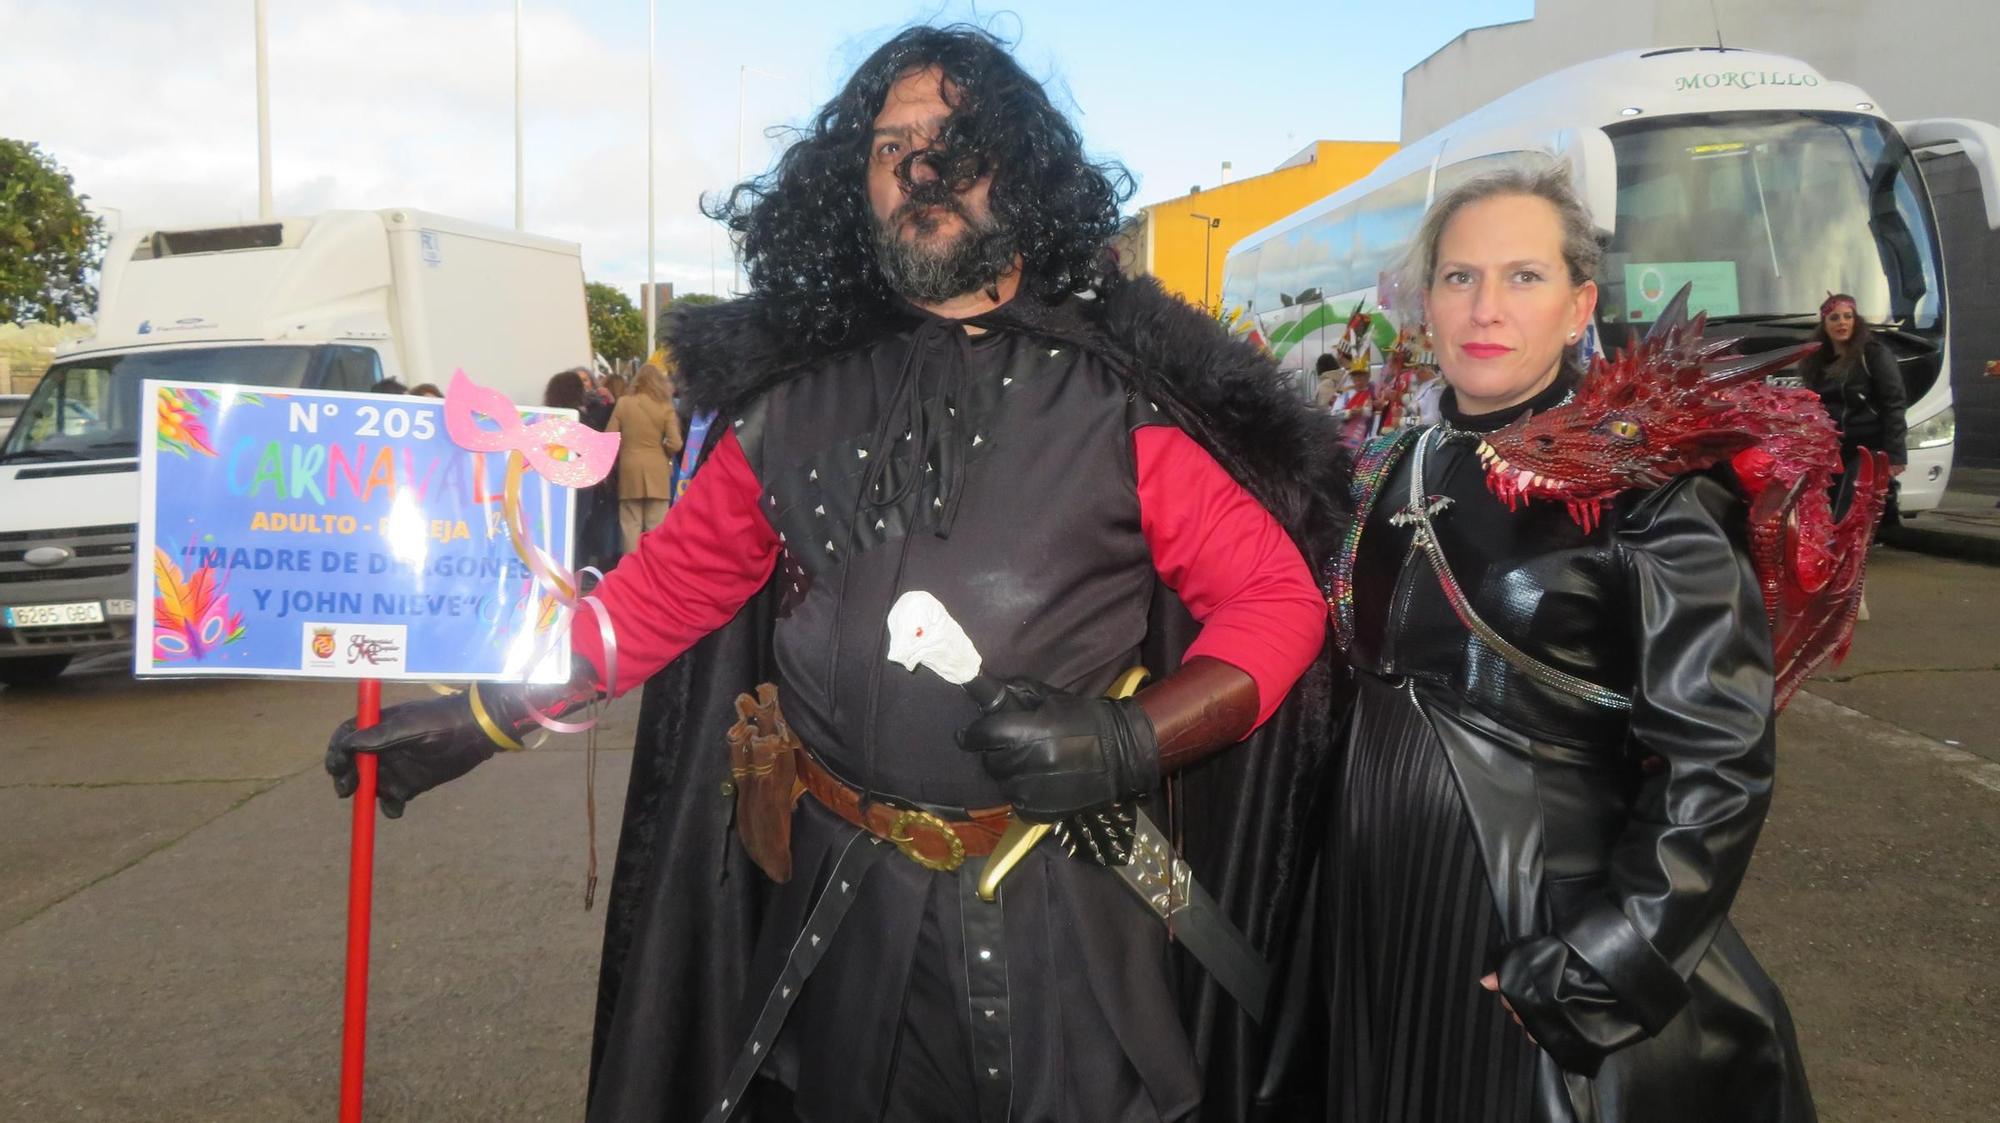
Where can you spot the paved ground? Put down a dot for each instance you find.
(172, 888)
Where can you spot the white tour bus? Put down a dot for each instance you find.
(1747, 174)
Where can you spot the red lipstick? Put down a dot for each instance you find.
(1485, 350)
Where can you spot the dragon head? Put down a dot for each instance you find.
(1665, 405)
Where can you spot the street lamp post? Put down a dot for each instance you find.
(1207, 239)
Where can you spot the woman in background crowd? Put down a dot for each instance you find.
(1856, 377)
(650, 435)
(571, 389)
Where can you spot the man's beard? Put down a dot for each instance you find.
(976, 258)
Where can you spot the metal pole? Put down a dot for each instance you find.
(652, 285)
(521, 198)
(1208, 225)
(736, 257)
(264, 208)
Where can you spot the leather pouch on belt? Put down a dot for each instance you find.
(763, 762)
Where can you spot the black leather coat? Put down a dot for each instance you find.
(1614, 841)
(1864, 394)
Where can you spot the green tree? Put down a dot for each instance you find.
(617, 329)
(49, 245)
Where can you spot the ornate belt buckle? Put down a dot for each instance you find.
(907, 843)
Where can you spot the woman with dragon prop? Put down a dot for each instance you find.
(1572, 609)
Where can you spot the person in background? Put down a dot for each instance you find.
(564, 391)
(426, 390)
(569, 389)
(1328, 386)
(1856, 378)
(1354, 408)
(597, 402)
(650, 435)
(1392, 390)
(616, 386)
(388, 386)
(1420, 403)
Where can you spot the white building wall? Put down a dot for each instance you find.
(1919, 58)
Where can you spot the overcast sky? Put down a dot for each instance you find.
(378, 103)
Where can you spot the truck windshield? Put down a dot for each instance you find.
(1766, 213)
(88, 408)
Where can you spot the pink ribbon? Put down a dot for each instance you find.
(563, 452)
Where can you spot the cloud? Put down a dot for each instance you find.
(374, 104)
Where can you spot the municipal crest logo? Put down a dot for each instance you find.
(322, 643)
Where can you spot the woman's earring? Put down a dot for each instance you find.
(1572, 337)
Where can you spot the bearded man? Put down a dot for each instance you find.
(938, 383)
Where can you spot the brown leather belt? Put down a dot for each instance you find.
(931, 841)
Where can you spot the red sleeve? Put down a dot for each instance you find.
(690, 574)
(1231, 563)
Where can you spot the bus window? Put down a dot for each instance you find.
(1764, 214)
(1239, 281)
(1384, 223)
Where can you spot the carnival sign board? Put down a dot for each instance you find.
(324, 534)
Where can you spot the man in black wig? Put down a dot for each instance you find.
(937, 382)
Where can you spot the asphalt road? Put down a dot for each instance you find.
(173, 888)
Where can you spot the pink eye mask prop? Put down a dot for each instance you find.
(561, 451)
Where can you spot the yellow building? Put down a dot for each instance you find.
(1173, 239)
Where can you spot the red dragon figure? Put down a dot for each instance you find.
(1676, 403)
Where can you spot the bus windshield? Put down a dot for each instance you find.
(88, 408)
(1765, 214)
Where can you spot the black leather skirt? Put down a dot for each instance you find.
(1412, 1035)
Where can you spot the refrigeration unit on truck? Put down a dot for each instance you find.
(340, 300)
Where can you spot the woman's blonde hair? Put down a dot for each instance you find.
(652, 382)
(1550, 183)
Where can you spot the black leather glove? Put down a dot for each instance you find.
(418, 746)
(1059, 754)
(422, 744)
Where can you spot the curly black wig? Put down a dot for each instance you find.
(806, 230)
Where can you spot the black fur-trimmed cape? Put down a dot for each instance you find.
(685, 901)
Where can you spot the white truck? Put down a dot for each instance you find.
(341, 300)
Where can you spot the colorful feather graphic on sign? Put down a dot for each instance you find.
(181, 427)
(190, 612)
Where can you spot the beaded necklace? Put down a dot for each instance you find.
(1371, 469)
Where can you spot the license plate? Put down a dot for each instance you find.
(54, 615)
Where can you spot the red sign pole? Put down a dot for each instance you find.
(360, 896)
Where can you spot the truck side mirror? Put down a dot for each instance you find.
(1981, 143)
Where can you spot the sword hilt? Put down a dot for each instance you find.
(1022, 836)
